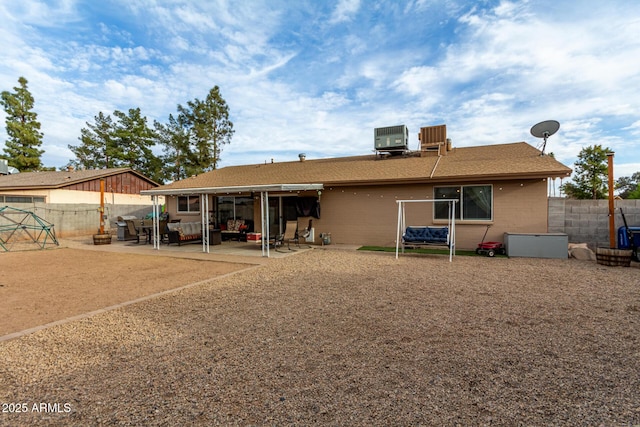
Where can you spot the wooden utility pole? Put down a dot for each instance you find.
(102, 206)
(612, 224)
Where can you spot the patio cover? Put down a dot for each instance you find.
(203, 192)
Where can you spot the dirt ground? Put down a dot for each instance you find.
(39, 287)
(322, 337)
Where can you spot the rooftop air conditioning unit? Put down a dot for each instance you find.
(392, 138)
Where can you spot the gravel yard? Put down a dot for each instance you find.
(337, 337)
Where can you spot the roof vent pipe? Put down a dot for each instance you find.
(302, 157)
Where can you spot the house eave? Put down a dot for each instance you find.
(260, 188)
(453, 179)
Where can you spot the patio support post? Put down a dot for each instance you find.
(264, 216)
(156, 223)
(204, 209)
(262, 222)
(206, 203)
(452, 228)
(400, 225)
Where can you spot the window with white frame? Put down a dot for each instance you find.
(189, 204)
(475, 202)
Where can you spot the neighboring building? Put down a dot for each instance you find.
(503, 186)
(122, 186)
(71, 199)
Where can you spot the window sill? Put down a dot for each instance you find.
(465, 221)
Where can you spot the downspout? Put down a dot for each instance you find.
(435, 166)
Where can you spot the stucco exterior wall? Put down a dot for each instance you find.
(368, 215)
(76, 196)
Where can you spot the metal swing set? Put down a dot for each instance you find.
(426, 235)
(18, 226)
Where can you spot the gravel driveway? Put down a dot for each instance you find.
(335, 337)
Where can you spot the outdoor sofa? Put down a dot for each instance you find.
(184, 232)
(236, 229)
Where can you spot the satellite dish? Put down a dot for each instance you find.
(545, 130)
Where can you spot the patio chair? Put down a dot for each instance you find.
(290, 235)
(133, 231)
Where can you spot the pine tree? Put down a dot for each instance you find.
(209, 128)
(125, 142)
(629, 187)
(23, 129)
(175, 139)
(134, 143)
(98, 147)
(590, 175)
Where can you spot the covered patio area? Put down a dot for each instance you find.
(265, 244)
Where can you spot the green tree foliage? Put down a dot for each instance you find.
(635, 194)
(191, 142)
(23, 129)
(590, 174)
(126, 141)
(208, 127)
(629, 186)
(174, 138)
(134, 144)
(97, 148)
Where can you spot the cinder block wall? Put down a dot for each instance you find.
(587, 221)
(81, 219)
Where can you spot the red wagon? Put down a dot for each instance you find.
(490, 248)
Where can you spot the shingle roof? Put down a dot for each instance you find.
(57, 179)
(504, 161)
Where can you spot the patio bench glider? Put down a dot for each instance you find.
(427, 235)
(424, 235)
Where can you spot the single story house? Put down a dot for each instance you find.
(504, 186)
(122, 187)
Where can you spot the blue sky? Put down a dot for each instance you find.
(318, 76)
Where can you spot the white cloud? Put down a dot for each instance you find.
(344, 11)
(291, 76)
(41, 13)
(419, 80)
(634, 128)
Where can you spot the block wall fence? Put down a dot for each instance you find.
(587, 221)
(81, 219)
